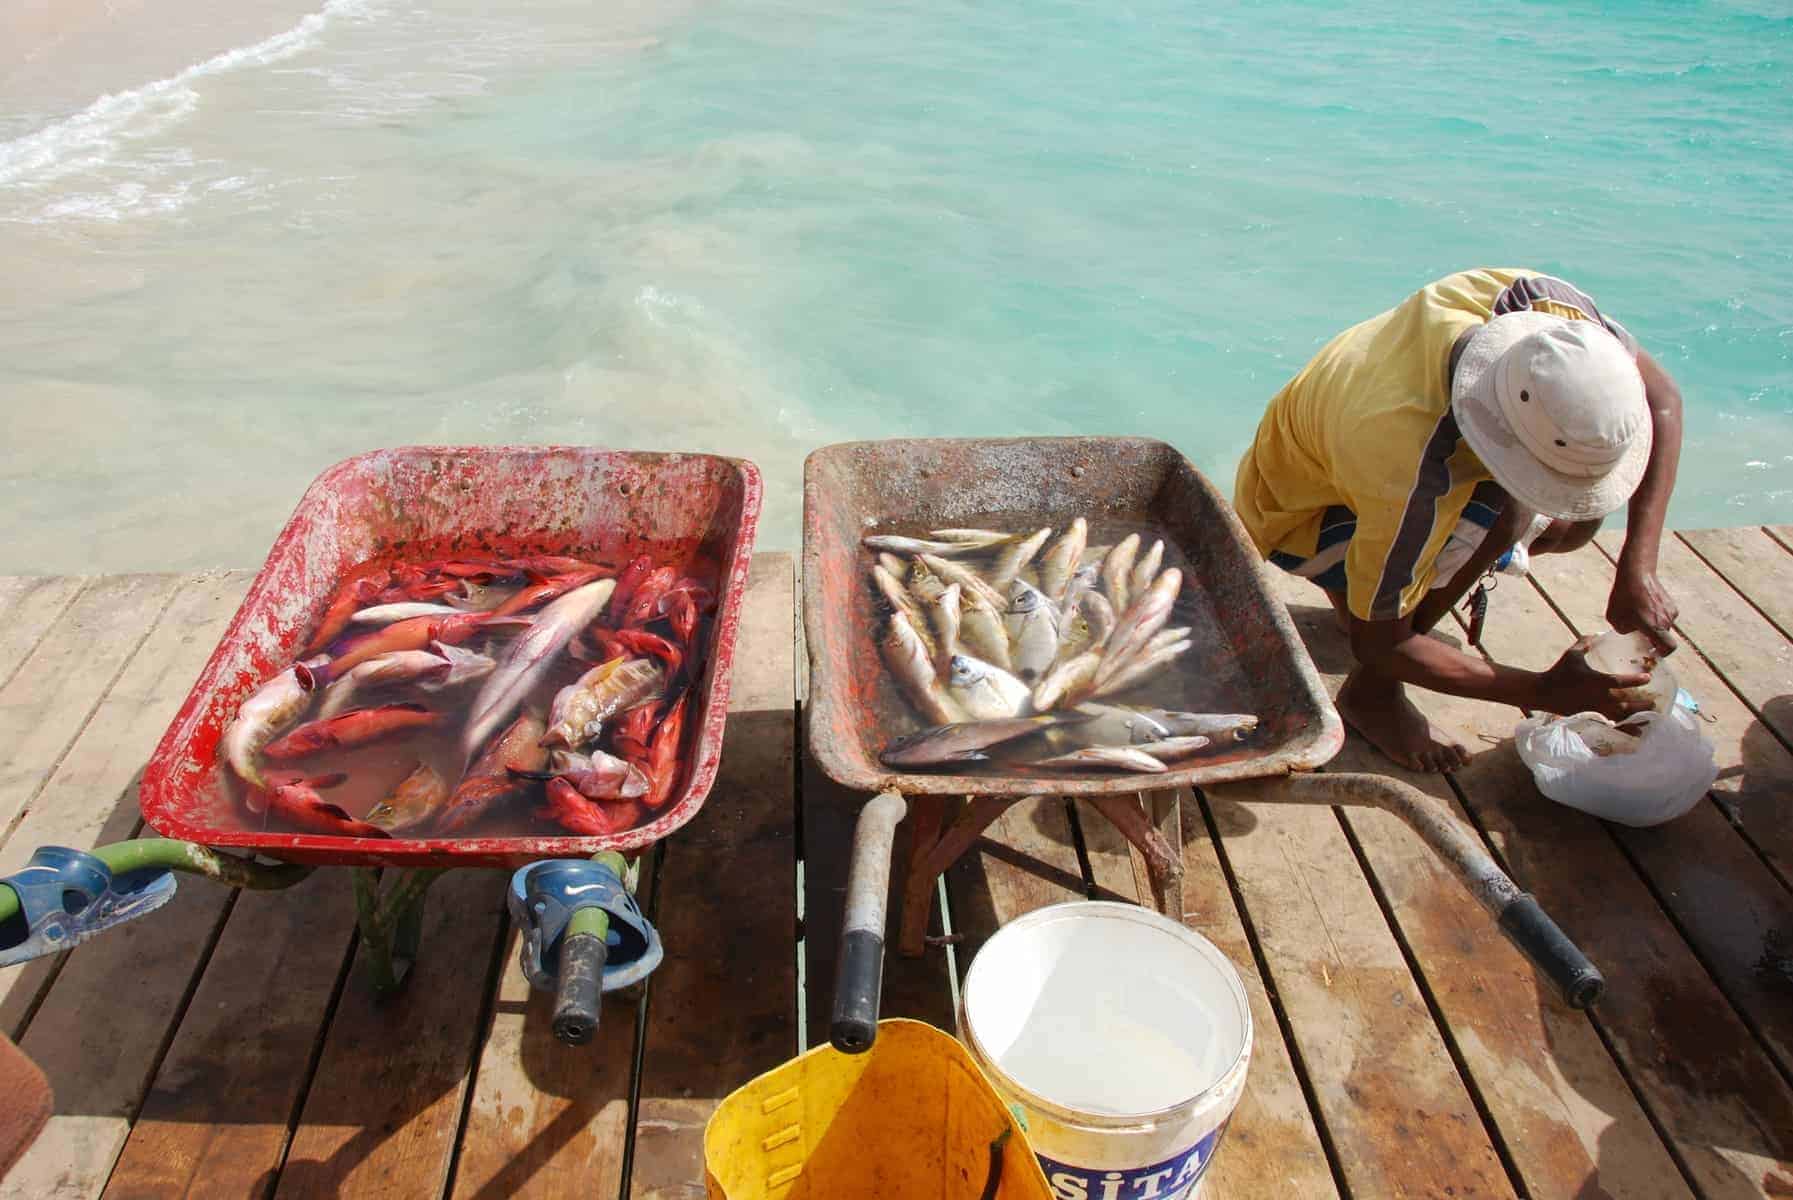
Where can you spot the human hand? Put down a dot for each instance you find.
(1572, 686)
(1639, 602)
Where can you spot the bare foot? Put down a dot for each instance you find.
(1378, 708)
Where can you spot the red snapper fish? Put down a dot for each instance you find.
(295, 800)
(356, 728)
(574, 813)
(413, 634)
(362, 586)
(506, 769)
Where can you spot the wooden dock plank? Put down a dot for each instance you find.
(1780, 533)
(1272, 1149)
(1566, 1117)
(1709, 1084)
(29, 606)
(1730, 906)
(546, 1119)
(1755, 774)
(384, 1108)
(1025, 860)
(1754, 564)
(91, 797)
(1692, 1062)
(1747, 650)
(1377, 1063)
(221, 1109)
(58, 685)
(98, 1035)
(722, 1008)
(102, 1025)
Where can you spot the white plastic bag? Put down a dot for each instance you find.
(1587, 763)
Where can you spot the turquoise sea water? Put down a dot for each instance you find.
(756, 226)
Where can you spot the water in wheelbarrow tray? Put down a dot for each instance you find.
(1085, 647)
(503, 696)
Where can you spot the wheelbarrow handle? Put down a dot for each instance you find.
(64, 896)
(859, 975)
(1525, 924)
(579, 988)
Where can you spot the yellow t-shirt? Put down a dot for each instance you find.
(1367, 426)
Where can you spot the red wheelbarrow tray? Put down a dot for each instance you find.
(422, 502)
(1255, 661)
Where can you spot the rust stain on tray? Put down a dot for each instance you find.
(914, 484)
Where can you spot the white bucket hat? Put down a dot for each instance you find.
(1555, 409)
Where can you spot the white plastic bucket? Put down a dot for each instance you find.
(1119, 1037)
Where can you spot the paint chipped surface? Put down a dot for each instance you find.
(918, 484)
(436, 500)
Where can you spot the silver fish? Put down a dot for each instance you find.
(481, 597)
(1014, 558)
(386, 614)
(1094, 556)
(894, 564)
(896, 544)
(1139, 669)
(1112, 725)
(1032, 625)
(981, 631)
(964, 741)
(1091, 758)
(1084, 580)
(1117, 571)
(400, 666)
(900, 600)
(983, 691)
(599, 776)
(945, 616)
(1100, 614)
(1060, 560)
(980, 538)
(1172, 748)
(923, 584)
(1165, 637)
(1218, 726)
(264, 715)
(581, 708)
(907, 657)
(530, 657)
(1073, 637)
(966, 578)
(1146, 569)
(1147, 616)
(1066, 681)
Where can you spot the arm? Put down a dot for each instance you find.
(1393, 649)
(1638, 601)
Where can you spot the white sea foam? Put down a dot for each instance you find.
(91, 136)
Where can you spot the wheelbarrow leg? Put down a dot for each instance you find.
(1152, 834)
(932, 851)
(391, 923)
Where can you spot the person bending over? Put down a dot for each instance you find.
(1490, 408)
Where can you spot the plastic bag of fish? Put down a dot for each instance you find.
(1021, 645)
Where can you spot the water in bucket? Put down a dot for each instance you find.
(1120, 1037)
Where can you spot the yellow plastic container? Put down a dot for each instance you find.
(913, 1119)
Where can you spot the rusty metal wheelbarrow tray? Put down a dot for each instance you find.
(1257, 662)
(431, 501)
(1252, 660)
